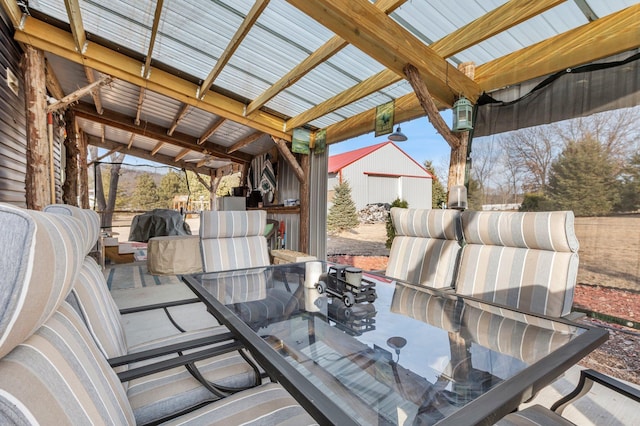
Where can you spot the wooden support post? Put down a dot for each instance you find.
(458, 162)
(429, 105)
(38, 192)
(288, 156)
(70, 186)
(303, 243)
(457, 142)
(82, 163)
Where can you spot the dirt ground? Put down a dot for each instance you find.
(608, 281)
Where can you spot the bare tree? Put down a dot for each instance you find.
(531, 152)
(484, 158)
(616, 131)
(107, 206)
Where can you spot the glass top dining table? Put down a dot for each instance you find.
(356, 348)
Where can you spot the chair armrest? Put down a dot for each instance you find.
(155, 306)
(169, 349)
(587, 379)
(178, 361)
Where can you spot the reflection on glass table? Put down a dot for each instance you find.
(409, 356)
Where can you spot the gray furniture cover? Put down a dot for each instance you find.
(158, 223)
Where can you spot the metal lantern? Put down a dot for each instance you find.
(462, 115)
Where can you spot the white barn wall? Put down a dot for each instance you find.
(386, 160)
(416, 192)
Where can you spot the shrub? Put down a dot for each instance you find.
(391, 232)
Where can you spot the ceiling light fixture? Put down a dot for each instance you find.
(397, 136)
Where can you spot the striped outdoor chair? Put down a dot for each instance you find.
(51, 371)
(426, 246)
(528, 261)
(233, 240)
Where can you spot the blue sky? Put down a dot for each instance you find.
(423, 142)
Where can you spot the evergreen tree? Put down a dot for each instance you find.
(172, 184)
(391, 231)
(582, 179)
(630, 186)
(438, 193)
(342, 214)
(145, 196)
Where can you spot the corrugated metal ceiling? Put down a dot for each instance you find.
(193, 34)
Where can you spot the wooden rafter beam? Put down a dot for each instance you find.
(131, 139)
(237, 38)
(202, 162)
(604, 37)
(210, 131)
(141, 96)
(370, 30)
(182, 154)
(95, 94)
(146, 70)
(53, 84)
(498, 20)
(137, 152)
(102, 132)
(245, 141)
(51, 39)
(105, 155)
(154, 131)
(283, 148)
(182, 113)
(77, 27)
(75, 96)
(327, 50)
(156, 148)
(359, 91)
(614, 34)
(494, 22)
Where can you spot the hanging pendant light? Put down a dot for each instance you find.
(397, 136)
(462, 115)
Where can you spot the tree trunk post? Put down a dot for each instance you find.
(82, 165)
(70, 186)
(37, 185)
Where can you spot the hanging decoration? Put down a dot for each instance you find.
(384, 118)
(300, 141)
(320, 142)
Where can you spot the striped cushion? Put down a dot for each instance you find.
(442, 224)
(524, 260)
(89, 218)
(232, 224)
(535, 415)
(161, 394)
(58, 376)
(39, 260)
(553, 231)
(93, 301)
(233, 240)
(438, 311)
(237, 286)
(514, 337)
(268, 404)
(426, 247)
